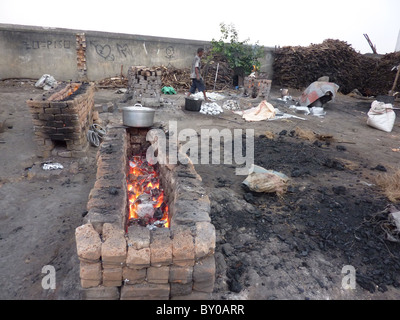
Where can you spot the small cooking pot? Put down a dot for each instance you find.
(138, 116)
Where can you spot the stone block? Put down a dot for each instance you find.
(179, 289)
(133, 276)
(113, 249)
(183, 248)
(146, 291)
(161, 248)
(204, 240)
(86, 284)
(188, 211)
(204, 275)
(112, 274)
(90, 271)
(88, 243)
(138, 259)
(181, 275)
(138, 237)
(158, 275)
(195, 295)
(101, 293)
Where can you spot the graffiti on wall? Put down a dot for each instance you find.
(107, 52)
(46, 44)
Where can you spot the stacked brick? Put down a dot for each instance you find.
(257, 87)
(144, 85)
(81, 56)
(134, 263)
(61, 115)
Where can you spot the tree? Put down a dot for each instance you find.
(239, 54)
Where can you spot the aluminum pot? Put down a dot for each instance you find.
(138, 116)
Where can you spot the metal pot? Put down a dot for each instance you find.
(138, 116)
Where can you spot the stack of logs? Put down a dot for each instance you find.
(298, 67)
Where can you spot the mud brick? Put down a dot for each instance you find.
(65, 130)
(49, 130)
(138, 237)
(90, 271)
(34, 104)
(183, 248)
(204, 275)
(59, 104)
(133, 276)
(52, 110)
(178, 289)
(181, 275)
(90, 283)
(138, 259)
(161, 248)
(101, 293)
(204, 240)
(158, 275)
(70, 110)
(146, 291)
(113, 249)
(88, 243)
(46, 117)
(57, 137)
(56, 124)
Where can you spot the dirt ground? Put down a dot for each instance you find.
(293, 247)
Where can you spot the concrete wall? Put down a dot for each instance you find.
(30, 52)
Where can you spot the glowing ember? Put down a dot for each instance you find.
(146, 199)
(72, 89)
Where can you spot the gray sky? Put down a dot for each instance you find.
(286, 22)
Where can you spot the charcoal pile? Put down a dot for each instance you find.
(380, 76)
(298, 67)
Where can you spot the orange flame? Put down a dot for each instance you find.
(139, 168)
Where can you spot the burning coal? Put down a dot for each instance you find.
(147, 205)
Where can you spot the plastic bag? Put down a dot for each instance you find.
(267, 181)
(47, 82)
(168, 90)
(381, 116)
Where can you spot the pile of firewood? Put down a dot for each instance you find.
(113, 82)
(179, 79)
(217, 72)
(298, 67)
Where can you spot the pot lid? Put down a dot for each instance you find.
(138, 107)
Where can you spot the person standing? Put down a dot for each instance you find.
(195, 76)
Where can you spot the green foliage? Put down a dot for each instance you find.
(240, 54)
